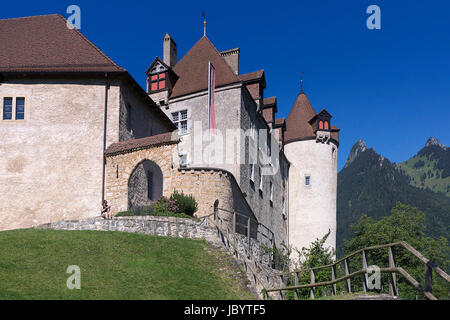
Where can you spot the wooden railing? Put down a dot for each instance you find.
(393, 269)
(263, 234)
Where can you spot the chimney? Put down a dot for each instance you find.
(169, 51)
(232, 58)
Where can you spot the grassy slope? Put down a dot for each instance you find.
(432, 179)
(114, 265)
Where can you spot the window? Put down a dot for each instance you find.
(260, 180)
(252, 172)
(179, 118)
(158, 81)
(307, 181)
(271, 192)
(150, 185)
(20, 108)
(183, 160)
(7, 108)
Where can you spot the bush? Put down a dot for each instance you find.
(139, 211)
(184, 203)
(168, 208)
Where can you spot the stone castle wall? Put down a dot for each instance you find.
(207, 185)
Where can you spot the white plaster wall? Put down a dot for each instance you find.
(227, 112)
(51, 163)
(312, 210)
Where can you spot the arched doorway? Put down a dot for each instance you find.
(145, 185)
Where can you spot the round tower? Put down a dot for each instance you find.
(311, 146)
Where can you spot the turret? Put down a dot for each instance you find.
(311, 145)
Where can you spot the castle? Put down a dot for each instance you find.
(77, 128)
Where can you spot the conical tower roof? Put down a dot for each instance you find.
(297, 123)
(192, 69)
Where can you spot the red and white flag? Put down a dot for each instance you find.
(211, 88)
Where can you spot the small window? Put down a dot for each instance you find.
(7, 108)
(158, 81)
(252, 172)
(326, 125)
(271, 191)
(183, 160)
(307, 181)
(179, 118)
(260, 179)
(20, 108)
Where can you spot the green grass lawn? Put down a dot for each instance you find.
(114, 265)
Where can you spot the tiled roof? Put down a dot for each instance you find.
(297, 123)
(142, 143)
(252, 75)
(279, 122)
(192, 69)
(270, 101)
(46, 44)
(335, 133)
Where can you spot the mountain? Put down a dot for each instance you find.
(430, 167)
(371, 184)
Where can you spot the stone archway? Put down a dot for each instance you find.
(128, 164)
(145, 184)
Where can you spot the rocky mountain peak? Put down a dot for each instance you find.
(358, 148)
(435, 142)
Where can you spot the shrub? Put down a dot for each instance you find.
(168, 208)
(139, 211)
(184, 203)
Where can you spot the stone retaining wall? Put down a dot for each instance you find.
(159, 226)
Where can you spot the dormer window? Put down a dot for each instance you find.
(324, 125)
(158, 81)
(160, 77)
(322, 120)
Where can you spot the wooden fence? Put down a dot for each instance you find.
(392, 270)
(265, 280)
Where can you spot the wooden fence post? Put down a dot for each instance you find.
(333, 277)
(365, 277)
(281, 286)
(296, 284)
(347, 272)
(393, 290)
(428, 278)
(313, 280)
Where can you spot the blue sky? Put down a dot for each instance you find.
(390, 87)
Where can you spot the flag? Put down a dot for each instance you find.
(211, 87)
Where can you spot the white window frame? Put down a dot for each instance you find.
(260, 179)
(252, 172)
(13, 109)
(271, 191)
(180, 120)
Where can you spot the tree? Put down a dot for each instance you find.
(405, 223)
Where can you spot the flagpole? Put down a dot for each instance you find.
(209, 110)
